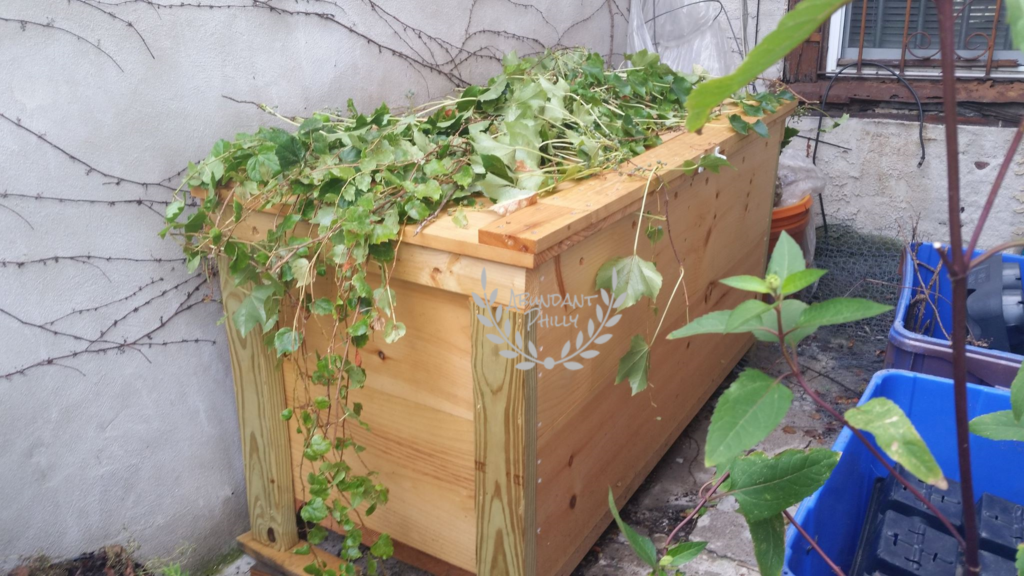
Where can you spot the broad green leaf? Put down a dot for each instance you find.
(322, 306)
(840, 311)
(998, 426)
(793, 29)
(787, 258)
(636, 278)
(1015, 18)
(791, 311)
(635, 365)
(800, 280)
(764, 486)
(739, 124)
(710, 323)
(769, 536)
(459, 218)
(746, 413)
(287, 341)
(494, 165)
(1017, 395)
(684, 552)
(746, 316)
(393, 331)
(897, 437)
(301, 271)
(641, 545)
(713, 162)
(748, 283)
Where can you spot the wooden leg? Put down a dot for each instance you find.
(259, 392)
(506, 454)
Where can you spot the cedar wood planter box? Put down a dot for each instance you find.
(494, 470)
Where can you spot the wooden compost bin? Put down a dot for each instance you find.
(494, 470)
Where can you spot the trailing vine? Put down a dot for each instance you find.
(344, 184)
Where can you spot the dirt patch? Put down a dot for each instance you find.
(108, 561)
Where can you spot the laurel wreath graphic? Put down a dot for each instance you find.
(493, 319)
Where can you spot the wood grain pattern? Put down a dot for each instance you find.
(505, 433)
(418, 403)
(592, 434)
(259, 394)
(286, 561)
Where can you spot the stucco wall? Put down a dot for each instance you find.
(142, 444)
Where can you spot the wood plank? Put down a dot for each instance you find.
(259, 394)
(553, 219)
(418, 403)
(592, 434)
(286, 560)
(505, 439)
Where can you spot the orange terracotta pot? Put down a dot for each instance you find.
(794, 219)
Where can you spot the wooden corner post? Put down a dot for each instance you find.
(505, 434)
(259, 393)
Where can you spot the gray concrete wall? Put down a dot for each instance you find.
(142, 443)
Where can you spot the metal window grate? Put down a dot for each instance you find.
(903, 33)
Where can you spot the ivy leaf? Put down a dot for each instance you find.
(765, 486)
(840, 311)
(897, 437)
(290, 152)
(460, 219)
(383, 548)
(752, 109)
(641, 545)
(800, 280)
(301, 271)
(314, 511)
(748, 283)
(174, 209)
(287, 341)
(262, 167)
(746, 413)
(760, 128)
(713, 162)
(1017, 395)
(769, 536)
(791, 31)
(739, 124)
(253, 310)
(787, 258)
(635, 365)
(322, 306)
(636, 278)
(998, 426)
(684, 552)
(393, 331)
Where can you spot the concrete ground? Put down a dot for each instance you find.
(671, 490)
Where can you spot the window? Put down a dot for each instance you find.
(903, 34)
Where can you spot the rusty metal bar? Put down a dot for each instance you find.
(903, 45)
(992, 38)
(863, 28)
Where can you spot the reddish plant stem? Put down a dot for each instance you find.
(813, 543)
(996, 185)
(958, 277)
(795, 368)
(704, 500)
(994, 251)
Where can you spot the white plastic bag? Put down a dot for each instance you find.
(798, 177)
(683, 33)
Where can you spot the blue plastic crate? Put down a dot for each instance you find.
(930, 352)
(834, 514)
